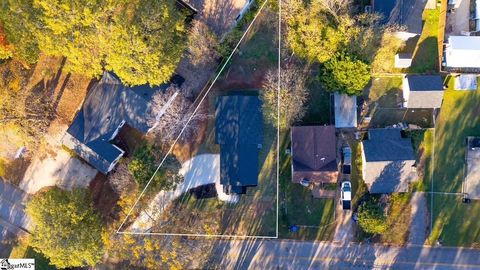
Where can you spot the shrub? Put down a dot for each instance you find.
(371, 217)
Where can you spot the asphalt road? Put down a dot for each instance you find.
(287, 254)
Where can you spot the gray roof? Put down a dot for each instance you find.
(345, 111)
(388, 161)
(238, 130)
(425, 82)
(426, 91)
(108, 104)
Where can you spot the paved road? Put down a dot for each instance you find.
(12, 210)
(287, 254)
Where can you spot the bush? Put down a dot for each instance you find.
(144, 165)
(346, 74)
(371, 217)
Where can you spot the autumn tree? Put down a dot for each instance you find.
(172, 113)
(20, 21)
(293, 95)
(312, 31)
(141, 41)
(345, 74)
(202, 44)
(66, 229)
(6, 50)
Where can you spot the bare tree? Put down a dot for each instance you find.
(293, 95)
(173, 113)
(337, 7)
(202, 44)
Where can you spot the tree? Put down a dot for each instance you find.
(141, 41)
(20, 22)
(345, 74)
(67, 229)
(6, 50)
(174, 112)
(293, 96)
(202, 44)
(371, 217)
(312, 31)
(144, 165)
(147, 48)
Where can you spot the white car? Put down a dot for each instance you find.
(346, 194)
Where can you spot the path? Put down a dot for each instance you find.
(198, 171)
(419, 219)
(288, 254)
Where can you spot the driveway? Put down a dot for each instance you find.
(288, 254)
(13, 218)
(59, 169)
(219, 15)
(198, 171)
(419, 219)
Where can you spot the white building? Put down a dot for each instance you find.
(463, 52)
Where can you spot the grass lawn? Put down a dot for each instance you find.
(454, 223)
(318, 110)
(398, 216)
(23, 250)
(426, 52)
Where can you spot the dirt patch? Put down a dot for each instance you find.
(105, 199)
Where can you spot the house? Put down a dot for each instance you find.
(314, 154)
(238, 131)
(403, 60)
(422, 91)
(402, 12)
(107, 108)
(345, 111)
(471, 185)
(388, 161)
(462, 52)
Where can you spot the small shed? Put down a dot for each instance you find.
(403, 60)
(466, 82)
(345, 111)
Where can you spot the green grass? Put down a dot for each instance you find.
(318, 104)
(359, 188)
(385, 90)
(426, 53)
(23, 250)
(454, 223)
(398, 216)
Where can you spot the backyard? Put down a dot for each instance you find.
(383, 105)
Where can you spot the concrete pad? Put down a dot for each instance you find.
(61, 170)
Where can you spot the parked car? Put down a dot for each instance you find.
(346, 195)
(347, 160)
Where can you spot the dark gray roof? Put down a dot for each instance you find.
(238, 130)
(426, 91)
(425, 82)
(388, 161)
(108, 104)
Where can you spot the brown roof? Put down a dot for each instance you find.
(314, 153)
